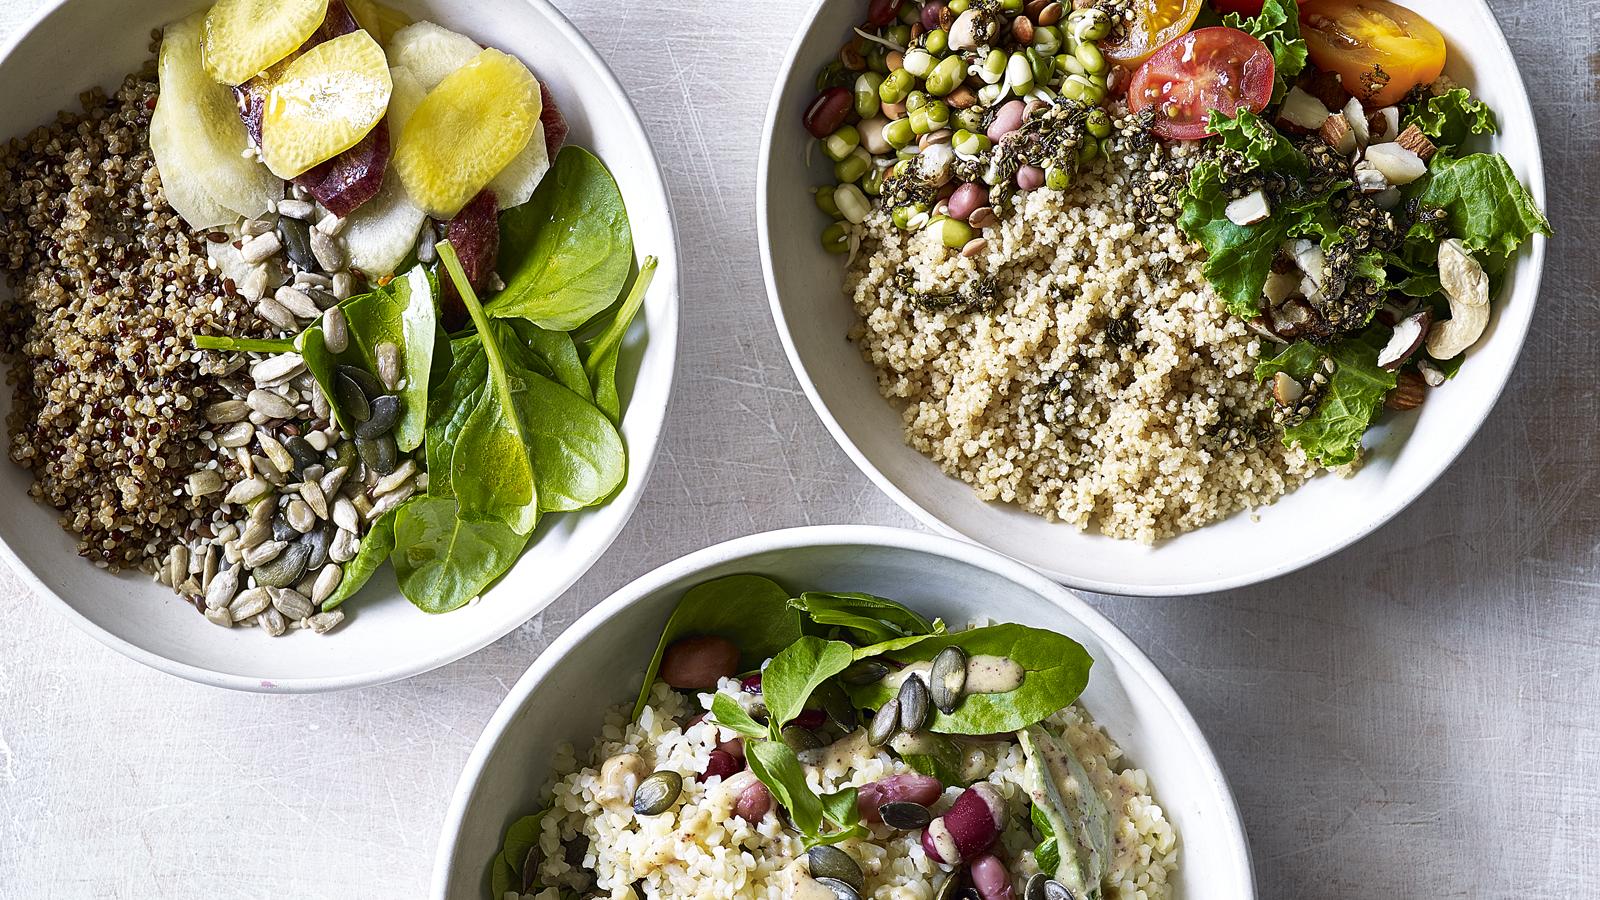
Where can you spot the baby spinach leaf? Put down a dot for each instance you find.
(578, 457)
(1355, 392)
(552, 354)
(376, 545)
(1056, 670)
(869, 619)
(602, 353)
(520, 838)
(727, 712)
(780, 770)
(798, 670)
(502, 879)
(442, 560)
(490, 470)
(751, 611)
(566, 253)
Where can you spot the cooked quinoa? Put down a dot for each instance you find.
(1103, 383)
(700, 849)
(108, 287)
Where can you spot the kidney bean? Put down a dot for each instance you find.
(696, 663)
(1006, 120)
(967, 199)
(923, 789)
(931, 13)
(734, 748)
(1030, 178)
(827, 112)
(720, 765)
(990, 878)
(811, 718)
(882, 12)
(968, 828)
(751, 684)
(754, 803)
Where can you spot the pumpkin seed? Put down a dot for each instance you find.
(285, 568)
(385, 413)
(1043, 887)
(884, 724)
(316, 542)
(905, 815)
(831, 862)
(368, 382)
(379, 453)
(950, 888)
(913, 704)
(347, 393)
(530, 869)
(302, 452)
(840, 889)
(841, 712)
(657, 793)
(864, 672)
(948, 679)
(800, 739)
(295, 236)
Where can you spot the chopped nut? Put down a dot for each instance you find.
(1336, 133)
(1409, 391)
(1414, 140)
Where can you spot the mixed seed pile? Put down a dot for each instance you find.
(223, 475)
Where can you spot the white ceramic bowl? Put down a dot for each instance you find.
(600, 660)
(78, 43)
(1405, 456)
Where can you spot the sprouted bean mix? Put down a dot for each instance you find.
(844, 746)
(1138, 266)
(248, 351)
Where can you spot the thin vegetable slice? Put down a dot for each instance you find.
(325, 103)
(432, 52)
(244, 37)
(199, 141)
(466, 131)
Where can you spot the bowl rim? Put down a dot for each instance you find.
(1231, 824)
(1530, 266)
(640, 465)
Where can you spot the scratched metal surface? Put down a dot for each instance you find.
(1413, 718)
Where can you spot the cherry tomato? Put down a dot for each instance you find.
(1242, 7)
(1380, 50)
(1155, 23)
(1218, 68)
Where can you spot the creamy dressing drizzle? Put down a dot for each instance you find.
(986, 674)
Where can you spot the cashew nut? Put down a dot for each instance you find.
(1467, 287)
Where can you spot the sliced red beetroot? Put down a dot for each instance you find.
(475, 235)
(555, 124)
(353, 177)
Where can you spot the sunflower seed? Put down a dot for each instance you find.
(220, 617)
(267, 469)
(388, 354)
(345, 515)
(328, 581)
(297, 301)
(270, 404)
(225, 411)
(260, 248)
(395, 479)
(272, 622)
(208, 568)
(204, 483)
(253, 227)
(314, 500)
(330, 224)
(300, 516)
(322, 623)
(330, 256)
(344, 286)
(236, 435)
(335, 330)
(247, 490)
(255, 283)
(263, 553)
(296, 209)
(177, 565)
(390, 500)
(276, 313)
(277, 369)
(344, 547)
(263, 511)
(249, 603)
(276, 452)
(330, 484)
(291, 603)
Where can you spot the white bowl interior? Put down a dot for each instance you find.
(385, 637)
(600, 661)
(1404, 457)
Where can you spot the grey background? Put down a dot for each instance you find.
(1412, 718)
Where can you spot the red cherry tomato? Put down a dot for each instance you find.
(1242, 7)
(1219, 68)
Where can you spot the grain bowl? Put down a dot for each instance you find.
(1087, 363)
(521, 755)
(282, 272)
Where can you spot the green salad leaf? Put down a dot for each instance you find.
(442, 560)
(376, 545)
(1056, 667)
(932, 754)
(567, 252)
(797, 671)
(779, 769)
(1069, 810)
(502, 878)
(1485, 206)
(865, 618)
(602, 353)
(553, 354)
(521, 837)
(1355, 393)
(1450, 118)
(749, 610)
(1277, 26)
(727, 713)
(1239, 257)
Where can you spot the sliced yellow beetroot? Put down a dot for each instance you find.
(325, 103)
(379, 19)
(252, 95)
(244, 37)
(198, 140)
(475, 235)
(466, 131)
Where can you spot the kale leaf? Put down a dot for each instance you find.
(1331, 435)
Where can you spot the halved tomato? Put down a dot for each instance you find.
(1220, 68)
(1380, 50)
(1155, 22)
